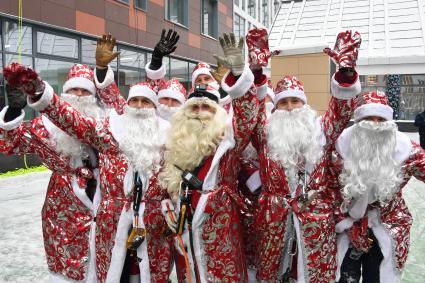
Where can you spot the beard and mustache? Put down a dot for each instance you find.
(371, 167)
(139, 139)
(166, 112)
(293, 137)
(192, 138)
(63, 143)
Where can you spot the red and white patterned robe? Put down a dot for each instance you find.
(114, 217)
(315, 227)
(216, 220)
(390, 221)
(68, 214)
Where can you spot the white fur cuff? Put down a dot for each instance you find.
(155, 74)
(11, 125)
(241, 86)
(262, 91)
(345, 92)
(109, 79)
(344, 224)
(44, 100)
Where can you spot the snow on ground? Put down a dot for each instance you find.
(21, 244)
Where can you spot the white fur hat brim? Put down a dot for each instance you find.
(373, 109)
(142, 91)
(200, 71)
(171, 94)
(290, 93)
(79, 82)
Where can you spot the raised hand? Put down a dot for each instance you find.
(23, 78)
(346, 49)
(219, 73)
(258, 48)
(167, 44)
(105, 51)
(233, 54)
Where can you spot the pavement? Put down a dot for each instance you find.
(21, 244)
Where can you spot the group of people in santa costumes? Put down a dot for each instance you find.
(232, 181)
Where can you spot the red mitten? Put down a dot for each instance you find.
(258, 48)
(24, 78)
(346, 49)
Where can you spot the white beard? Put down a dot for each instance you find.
(192, 138)
(166, 112)
(293, 137)
(370, 166)
(86, 105)
(63, 143)
(139, 139)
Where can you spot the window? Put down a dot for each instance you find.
(209, 17)
(25, 60)
(128, 77)
(11, 38)
(130, 58)
(2, 88)
(406, 93)
(251, 8)
(239, 26)
(141, 4)
(52, 44)
(180, 70)
(237, 2)
(176, 11)
(265, 18)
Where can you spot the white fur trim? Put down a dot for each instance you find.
(241, 86)
(290, 93)
(109, 79)
(373, 109)
(200, 71)
(345, 92)
(79, 82)
(119, 250)
(344, 224)
(343, 243)
(254, 181)
(59, 278)
(11, 125)
(226, 100)
(403, 147)
(143, 91)
(270, 93)
(262, 91)
(171, 94)
(155, 74)
(44, 100)
(387, 270)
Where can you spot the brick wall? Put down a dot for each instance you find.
(127, 23)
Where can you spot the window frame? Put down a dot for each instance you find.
(217, 20)
(185, 8)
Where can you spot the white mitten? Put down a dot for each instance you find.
(170, 216)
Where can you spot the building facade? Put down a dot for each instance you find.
(59, 33)
(391, 58)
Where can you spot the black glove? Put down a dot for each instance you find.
(17, 101)
(165, 46)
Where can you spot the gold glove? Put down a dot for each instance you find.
(219, 73)
(105, 51)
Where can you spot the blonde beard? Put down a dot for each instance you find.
(86, 105)
(192, 137)
(293, 137)
(370, 164)
(139, 139)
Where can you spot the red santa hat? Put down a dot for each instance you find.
(270, 91)
(143, 89)
(289, 86)
(201, 69)
(172, 89)
(80, 76)
(373, 103)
